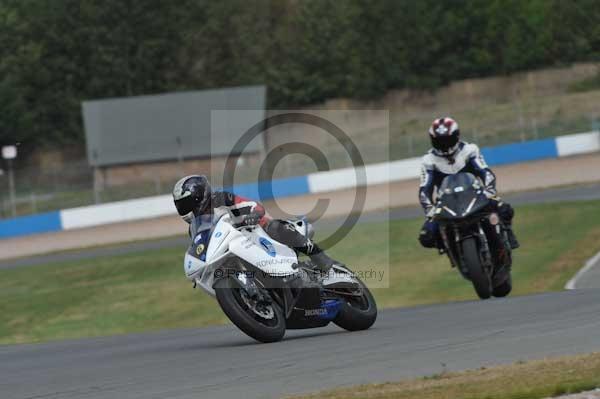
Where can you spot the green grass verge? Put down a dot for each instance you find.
(148, 290)
(524, 380)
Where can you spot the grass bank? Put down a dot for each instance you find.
(524, 380)
(148, 291)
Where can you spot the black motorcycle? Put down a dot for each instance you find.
(473, 235)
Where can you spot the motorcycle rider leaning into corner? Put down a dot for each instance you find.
(193, 197)
(448, 156)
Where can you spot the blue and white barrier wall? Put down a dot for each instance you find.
(406, 169)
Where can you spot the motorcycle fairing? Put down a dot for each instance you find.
(260, 250)
(339, 278)
(459, 196)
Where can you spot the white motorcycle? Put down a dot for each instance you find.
(263, 288)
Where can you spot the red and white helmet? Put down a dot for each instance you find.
(444, 134)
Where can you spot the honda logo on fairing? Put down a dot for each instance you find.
(273, 262)
(315, 312)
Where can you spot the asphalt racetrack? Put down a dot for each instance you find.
(221, 362)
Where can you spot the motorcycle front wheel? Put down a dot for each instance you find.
(357, 312)
(480, 279)
(263, 322)
(503, 289)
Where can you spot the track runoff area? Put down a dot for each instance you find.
(404, 343)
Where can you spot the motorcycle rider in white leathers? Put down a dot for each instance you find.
(449, 155)
(193, 196)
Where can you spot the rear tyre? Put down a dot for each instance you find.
(503, 289)
(264, 323)
(357, 313)
(481, 281)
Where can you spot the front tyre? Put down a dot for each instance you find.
(480, 279)
(503, 289)
(357, 312)
(263, 322)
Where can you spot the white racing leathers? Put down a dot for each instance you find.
(435, 168)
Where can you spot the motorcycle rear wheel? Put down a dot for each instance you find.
(480, 279)
(269, 327)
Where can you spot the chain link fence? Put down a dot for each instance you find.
(42, 189)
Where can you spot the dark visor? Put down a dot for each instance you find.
(444, 143)
(185, 205)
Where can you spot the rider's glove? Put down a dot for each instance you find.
(491, 194)
(430, 213)
(251, 219)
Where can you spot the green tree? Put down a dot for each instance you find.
(56, 53)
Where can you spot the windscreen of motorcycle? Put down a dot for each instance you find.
(459, 196)
(218, 236)
(195, 256)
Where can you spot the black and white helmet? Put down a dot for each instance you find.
(191, 196)
(444, 135)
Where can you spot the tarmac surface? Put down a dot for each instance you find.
(221, 362)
